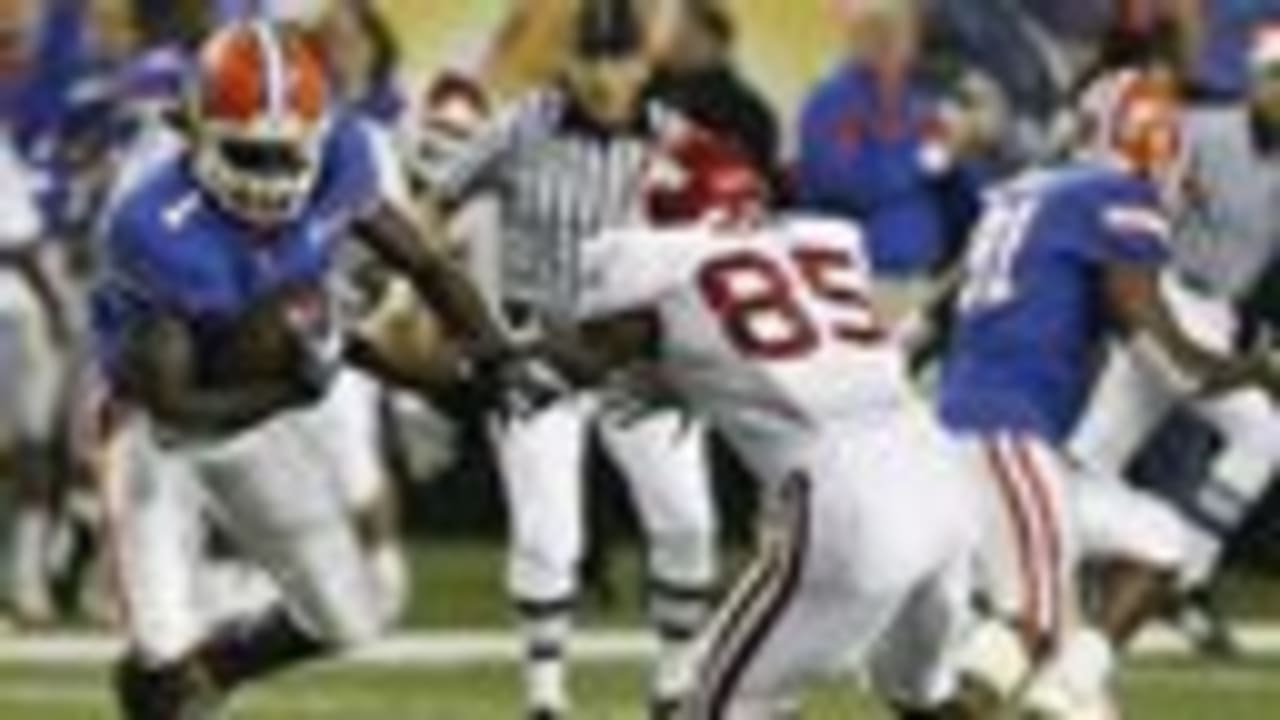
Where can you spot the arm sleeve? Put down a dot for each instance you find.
(128, 266)
(627, 270)
(475, 165)
(1132, 228)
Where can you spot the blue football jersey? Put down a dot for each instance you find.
(1030, 316)
(167, 247)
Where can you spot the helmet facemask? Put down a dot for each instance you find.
(263, 174)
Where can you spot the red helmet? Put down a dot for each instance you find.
(261, 111)
(700, 175)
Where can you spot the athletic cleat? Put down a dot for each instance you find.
(664, 708)
(172, 693)
(994, 664)
(1200, 619)
(546, 714)
(1075, 685)
(1046, 699)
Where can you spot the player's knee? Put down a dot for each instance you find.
(538, 570)
(1157, 538)
(684, 551)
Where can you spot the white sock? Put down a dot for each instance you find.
(677, 617)
(546, 635)
(673, 669)
(1076, 679)
(1088, 662)
(30, 537)
(392, 574)
(546, 683)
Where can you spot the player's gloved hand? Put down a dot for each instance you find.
(515, 384)
(1258, 368)
(638, 394)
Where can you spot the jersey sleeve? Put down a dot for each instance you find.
(126, 291)
(477, 164)
(1131, 228)
(130, 264)
(627, 270)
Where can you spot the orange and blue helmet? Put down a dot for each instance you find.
(260, 106)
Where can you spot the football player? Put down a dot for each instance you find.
(33, 332)
(764, 326)
(1064, 259)
(1226, 238)
(215, 327)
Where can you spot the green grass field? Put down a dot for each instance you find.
(458, 587)
(1166, 691)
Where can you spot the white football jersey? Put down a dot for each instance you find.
(770, 331)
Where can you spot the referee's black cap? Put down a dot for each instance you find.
(608, 29)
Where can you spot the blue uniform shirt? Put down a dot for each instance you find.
(1222, 69)
(862, 156)
(61, 111)
(169, 248)
(1030, 315)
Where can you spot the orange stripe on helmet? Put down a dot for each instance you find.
(240, 65)
(232, 76)
(307, 87)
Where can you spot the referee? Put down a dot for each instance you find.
(565, 163)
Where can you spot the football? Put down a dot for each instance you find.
(265, 345)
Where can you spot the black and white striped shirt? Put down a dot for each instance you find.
(561, 179)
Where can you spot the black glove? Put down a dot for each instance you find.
(517, 385)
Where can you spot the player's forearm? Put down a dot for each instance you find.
(420, 378)
(157, 372)
(439, 282)
(225, 410)
(1210, 371)
(589, 353)
(577, 363)
(1158, 334)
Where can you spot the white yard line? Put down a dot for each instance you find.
(453, 648)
